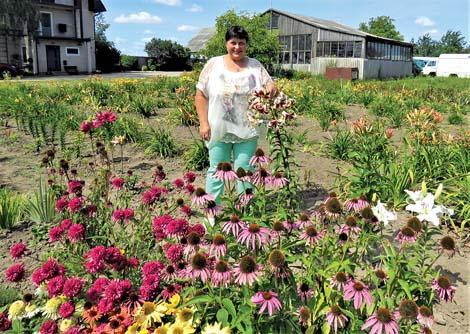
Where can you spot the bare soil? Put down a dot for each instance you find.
(20, 170)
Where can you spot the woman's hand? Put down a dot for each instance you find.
(272, 89)
(205, 131)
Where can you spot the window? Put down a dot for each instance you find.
(24, 54)
(357, 49)
(334, 49)
(341, 49)
(72, 51)
(301, 51)
(349, 49)
(45, 24)
(274, 21)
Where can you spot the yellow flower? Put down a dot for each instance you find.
(181, 328)
(16, 309)
(173, 303)
(149, 313)
(163, 329)
(185, 315)
(51, 309)
(65, 324)
(215, 329)
(136, 328)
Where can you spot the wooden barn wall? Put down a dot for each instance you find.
(288, 26)
(327, 35)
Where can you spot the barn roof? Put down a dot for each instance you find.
(198, 42)
(329, 25)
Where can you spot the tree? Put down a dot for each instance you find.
(381, 26)
(16, 15)
(107, 55)
(452, 42)
(263, 44)
(168, 54)
(425, 47)
(129, 62)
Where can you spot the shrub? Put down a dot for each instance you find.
(162, 143)
(144, 68)
(196, 156)
(455, 118)
(129, 62)
(11, 208)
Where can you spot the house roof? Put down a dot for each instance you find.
(198, 42)
(330, 25)
(98, 6)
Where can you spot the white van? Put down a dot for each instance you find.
(431, 67)
(454, 65)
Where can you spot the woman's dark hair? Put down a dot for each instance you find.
(236, 32)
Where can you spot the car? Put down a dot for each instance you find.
(8, 70)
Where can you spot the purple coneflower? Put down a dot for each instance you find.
(444, 288)
(336, 319)
(268, 300)
(218, 247)
(382, 321)
(304, 292)
(260, 177)
(355, 204)
(415, 224)
(211, 209)
(381, 274)
(425, 317)
(247, 271)
(254, 236)
(447, 245)
(304, 220)
(311, 235)
(201, 197)
(222, 275)
(244, 198)
(305, 316)
(277, 229)
(359, 292)
(225, 173)
(193, 243)
(171, 290)
(290, 225)
(339, 280)
(408, 310)
(350, 225)
(233, 226)
(332, 207)
(169, 273)
(259, 158)
(277, 180)
(198, 268)
(406, 235)
(279, 267)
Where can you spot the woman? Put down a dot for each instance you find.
(221, 101)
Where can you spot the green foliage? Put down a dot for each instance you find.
(381, 26)
(107, 55)
(7, 296)
(11, 208)
(168, 55)
(455, 118)
(162, 143)
(40, 207)
(263, 44)
(129, 62)
(450, 42)
(340, 145)
(196, 156)
(15, 15)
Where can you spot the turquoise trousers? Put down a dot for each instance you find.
(222, 152)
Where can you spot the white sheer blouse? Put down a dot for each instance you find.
(228, 93)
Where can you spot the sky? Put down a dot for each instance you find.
(135, 22)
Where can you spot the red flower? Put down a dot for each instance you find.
(55, 233)
(190, 177)
(66, 309)
(49, 327)
(65, 224)
(5, 323)
(55, 286)
(74, 187)
(178, 183)
(75, 204)
(15, 272)
(61, 204)
(18, 250)
(86, 126)
(73, 287)
(117, 182)
(76, 233)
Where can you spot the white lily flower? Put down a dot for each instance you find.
(427, 211)
(415, 195)
(382, 214)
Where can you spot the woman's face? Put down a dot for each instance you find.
(236, 48)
